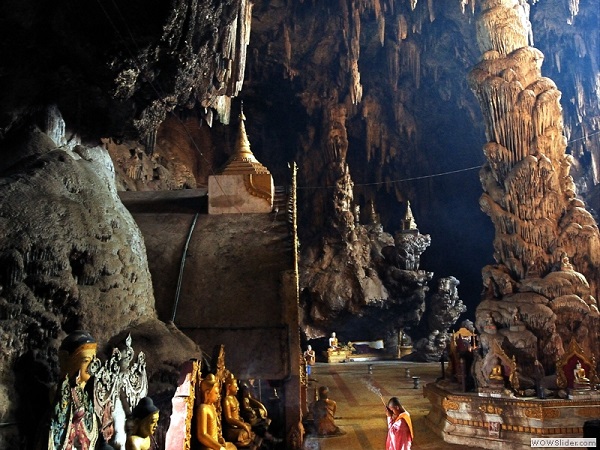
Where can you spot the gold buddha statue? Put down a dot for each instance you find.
(145, 416)
(208, 430)
(235, 428)
(497, 372)
(579, 376)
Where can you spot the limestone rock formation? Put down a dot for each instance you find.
(542, 291)
(117, 70)
(72, 258)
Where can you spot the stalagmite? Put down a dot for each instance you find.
(529, 194)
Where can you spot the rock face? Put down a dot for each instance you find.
(130, 65)
(547, 244)
(366, 284)
(72, 258)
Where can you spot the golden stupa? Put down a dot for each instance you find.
(243, 160)
(244, 185)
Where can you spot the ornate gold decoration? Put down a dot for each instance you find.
(574, 350)
(490, 409)
(303, 377)
(194, 379)
(408, 223)
(292, 211)
(508, 364)
(258, 185)
(257, 178)
(534, 413)
(449, 405)
(551, 413)
(514, 377)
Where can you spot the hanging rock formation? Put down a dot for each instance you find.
(542, 291)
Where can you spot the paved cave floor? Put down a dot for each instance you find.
(360, 412)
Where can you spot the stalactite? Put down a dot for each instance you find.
(412, 60)
(355, 39)
(377, 9)
(393, 64)
(573, 10)
(381, 29)
(245, 22)
(431, 10)
(356, 89)
(500, 29)
(402, 28)
(222, 106)
(287, 45)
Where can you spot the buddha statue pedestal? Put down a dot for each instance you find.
(404, 350)
(337, 356)
(493, 391)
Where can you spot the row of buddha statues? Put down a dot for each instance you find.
(105, 405)
(229, 420)
(495, 371)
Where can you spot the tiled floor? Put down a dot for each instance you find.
(360, 412)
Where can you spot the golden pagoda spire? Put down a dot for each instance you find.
(243, 160)
(408, 223)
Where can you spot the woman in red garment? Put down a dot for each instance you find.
(400, 430)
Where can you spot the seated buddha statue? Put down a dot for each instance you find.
(497, 372)
(333, 342)
(256, 414)
(579, 376)
(235, 428)
(208, 431)
(145, 420)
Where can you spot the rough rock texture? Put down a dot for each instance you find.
(366, 285)
(118, 68)
(395, 99)
(547, 244)
(71, 257)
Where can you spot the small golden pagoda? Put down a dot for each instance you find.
(244, 185)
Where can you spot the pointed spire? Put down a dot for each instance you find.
(408, 223)
(243, 160)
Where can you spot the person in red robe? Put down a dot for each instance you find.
(400, 430)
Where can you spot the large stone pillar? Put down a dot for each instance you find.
(542, 291)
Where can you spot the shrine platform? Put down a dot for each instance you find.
(499, 421)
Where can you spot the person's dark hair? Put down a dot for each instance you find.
(395, 402)
(323, 392)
